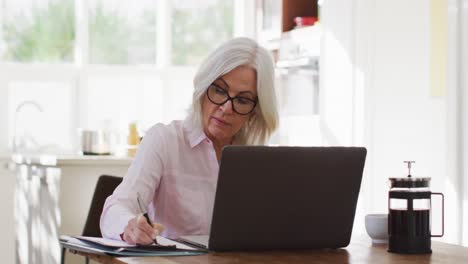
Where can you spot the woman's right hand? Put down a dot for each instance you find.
(138, 231)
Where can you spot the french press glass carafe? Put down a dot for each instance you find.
(409, 216)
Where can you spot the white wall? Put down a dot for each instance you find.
(7, 238)
(342, 105)
(376, 83)
(3, 115)
(336, 80)
(464, 115)
(454, 188)
(408, 120)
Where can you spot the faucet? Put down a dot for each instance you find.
(17, 111)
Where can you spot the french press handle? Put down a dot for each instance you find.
(442, 195)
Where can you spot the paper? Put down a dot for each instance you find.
(162, 241)
(85, 245)
(165, 241)
(106, 241)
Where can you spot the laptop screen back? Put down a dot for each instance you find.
(286, 197)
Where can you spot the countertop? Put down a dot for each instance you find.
(68, 160)
(93, 160)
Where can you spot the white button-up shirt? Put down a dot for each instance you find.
(175, 171)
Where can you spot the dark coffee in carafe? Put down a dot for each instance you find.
(403, 224)
(409, 215)
(400, 222)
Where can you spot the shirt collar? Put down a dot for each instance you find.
(194, 134)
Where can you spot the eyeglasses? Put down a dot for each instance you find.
(240, 105)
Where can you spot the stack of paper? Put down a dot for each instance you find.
(98, 245)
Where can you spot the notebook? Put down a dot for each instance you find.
(104, 246)
(284, 198)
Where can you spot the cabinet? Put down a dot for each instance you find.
(297, 8)
(277, 16)
(296, 51)
(52, 198)
(36, 210)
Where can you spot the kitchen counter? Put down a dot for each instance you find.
(93, 160)
(71, 160)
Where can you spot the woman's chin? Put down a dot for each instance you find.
(218, 133)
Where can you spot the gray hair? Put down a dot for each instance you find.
(230, 55)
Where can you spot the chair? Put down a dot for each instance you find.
(105, 186)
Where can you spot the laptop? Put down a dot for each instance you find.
(284, 198)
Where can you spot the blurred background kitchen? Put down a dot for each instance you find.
(81, 82)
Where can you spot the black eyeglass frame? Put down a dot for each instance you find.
(229, 98)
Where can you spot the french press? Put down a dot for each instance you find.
(409, 217)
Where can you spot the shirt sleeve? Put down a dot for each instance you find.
(143, 178)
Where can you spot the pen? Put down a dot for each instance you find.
(145, 214)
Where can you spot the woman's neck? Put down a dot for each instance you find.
(218, 146)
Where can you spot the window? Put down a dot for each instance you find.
(120, 61)
(38, 31)
(122, 32)
(198, 27)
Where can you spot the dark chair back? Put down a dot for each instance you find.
(105, 186)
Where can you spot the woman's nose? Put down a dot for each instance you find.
(227, 107)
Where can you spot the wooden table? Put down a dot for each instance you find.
(359, 251)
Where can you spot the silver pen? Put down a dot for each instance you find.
(145, 214)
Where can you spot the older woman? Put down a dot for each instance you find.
(175, 170)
